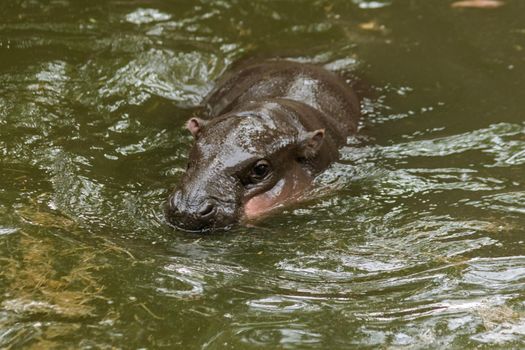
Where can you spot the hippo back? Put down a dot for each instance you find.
(305, 83)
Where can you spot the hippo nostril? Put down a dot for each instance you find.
(206, 210)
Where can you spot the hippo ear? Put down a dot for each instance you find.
(310, 143)
(195, 126)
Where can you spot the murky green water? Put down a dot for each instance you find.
(419, 244)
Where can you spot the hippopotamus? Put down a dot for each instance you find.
(266, 130)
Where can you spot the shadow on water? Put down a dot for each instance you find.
(414, 239)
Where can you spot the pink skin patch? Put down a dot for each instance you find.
(286, 190)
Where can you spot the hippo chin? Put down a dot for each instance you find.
(270, 127)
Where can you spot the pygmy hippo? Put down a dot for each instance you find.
(268, 128)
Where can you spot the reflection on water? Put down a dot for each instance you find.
(413, 239)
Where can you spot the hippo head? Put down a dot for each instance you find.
(242, 165)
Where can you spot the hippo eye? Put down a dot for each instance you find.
(260, 171)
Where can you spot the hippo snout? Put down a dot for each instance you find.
(197, 215)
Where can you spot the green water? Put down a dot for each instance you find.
(416, 240)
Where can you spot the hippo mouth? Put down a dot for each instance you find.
(206, 220)
(255, 208)
(203, 230)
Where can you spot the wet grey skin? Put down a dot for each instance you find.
(268, 129)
